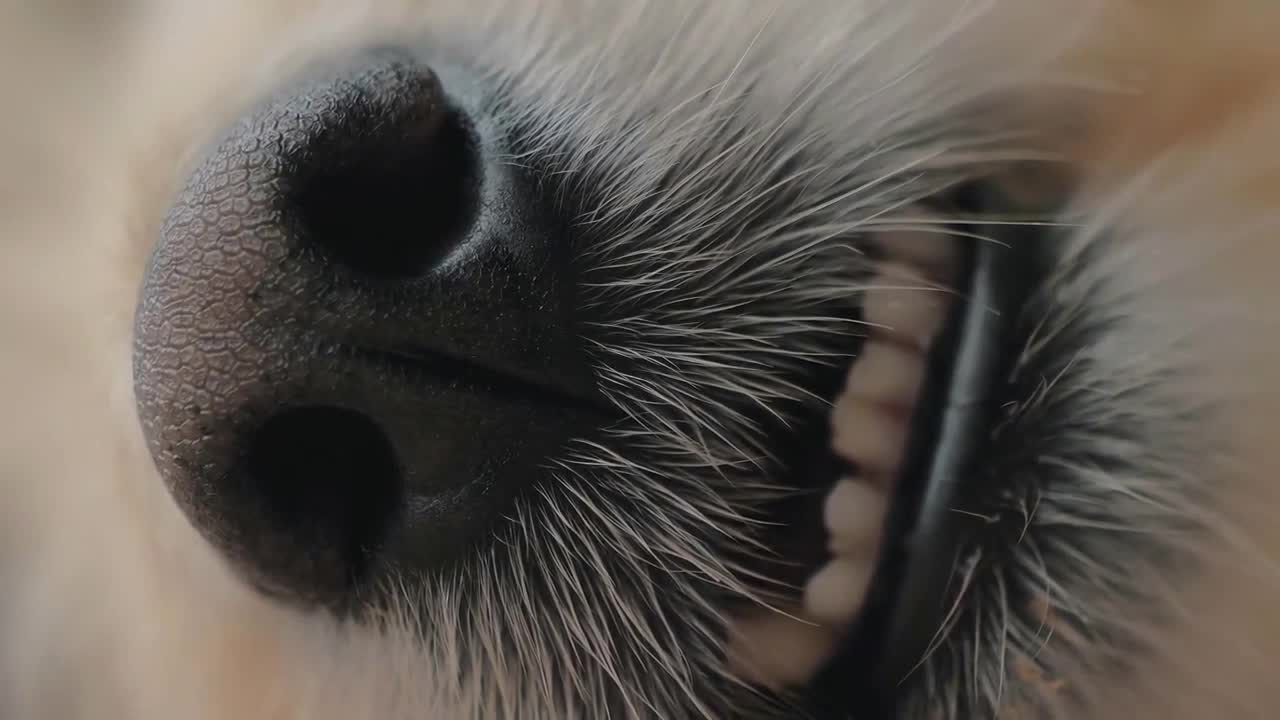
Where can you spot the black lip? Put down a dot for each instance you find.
(962, 395)
(960, 403)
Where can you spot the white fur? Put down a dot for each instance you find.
(112, 607)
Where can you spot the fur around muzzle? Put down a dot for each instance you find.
(715, 175)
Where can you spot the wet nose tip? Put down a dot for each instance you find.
(379, 174)
(363, 176)
(372, 170)
(358, 340)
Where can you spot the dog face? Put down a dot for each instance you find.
(583, 359)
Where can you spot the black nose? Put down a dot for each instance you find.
(357, 342)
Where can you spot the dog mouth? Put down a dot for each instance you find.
(465, 379)
(906, 432)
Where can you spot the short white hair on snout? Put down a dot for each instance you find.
(720, 171)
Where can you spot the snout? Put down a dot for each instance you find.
(357, 342)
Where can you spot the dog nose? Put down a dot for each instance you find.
(357, 339)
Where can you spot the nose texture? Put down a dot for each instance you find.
(357, 341)
(383, 176)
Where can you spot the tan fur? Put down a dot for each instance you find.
(112, 607)
(1207, 122)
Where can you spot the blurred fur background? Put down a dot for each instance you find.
(112, 607)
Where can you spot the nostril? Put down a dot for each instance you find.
(386, 185)
(328, 483)
(358, 339)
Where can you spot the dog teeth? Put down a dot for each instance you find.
(872, 417)
(904, 305)
(886, 373)
(854, 514)
(871, 435)
(777, 650)
(907, 306)
(836, 593)
(928, 247)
